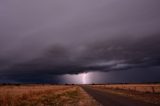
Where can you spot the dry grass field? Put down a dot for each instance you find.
(72, 95)
(44, 95)
(148, 88)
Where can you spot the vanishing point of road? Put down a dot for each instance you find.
(109, 99)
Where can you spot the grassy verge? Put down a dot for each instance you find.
(44, 96)
(152, 98)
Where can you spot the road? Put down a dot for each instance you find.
(109, 99)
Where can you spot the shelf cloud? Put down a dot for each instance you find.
(42, 38)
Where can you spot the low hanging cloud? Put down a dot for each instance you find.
(62, 60)
(44, 38)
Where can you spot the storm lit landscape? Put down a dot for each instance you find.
(79, 53)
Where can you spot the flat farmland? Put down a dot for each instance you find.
(80, 95)
(44, 95)
(148, 88)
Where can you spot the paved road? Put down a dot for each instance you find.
(108, 99)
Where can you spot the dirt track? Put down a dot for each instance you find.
(109, 99)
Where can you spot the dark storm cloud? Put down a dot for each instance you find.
(45, 38)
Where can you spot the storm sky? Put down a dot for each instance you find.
(45, 40)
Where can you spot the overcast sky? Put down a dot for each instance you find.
(46, 38)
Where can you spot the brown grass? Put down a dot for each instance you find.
(87, 100)
(43, 95)
(148, 88)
